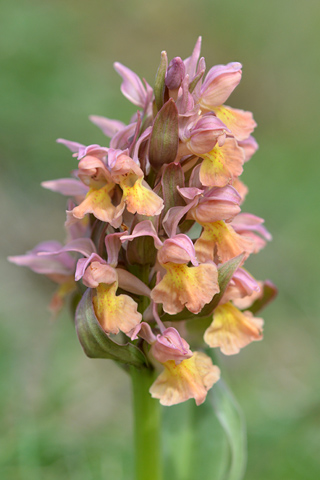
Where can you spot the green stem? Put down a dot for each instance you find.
(147, 427)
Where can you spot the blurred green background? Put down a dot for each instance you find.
(63, 415)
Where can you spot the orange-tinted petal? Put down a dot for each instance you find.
(98, 202)
(192, 378)
(222, 164)
(219, 239)
(232, 329)
(182, 286)
(240, 122)
(115, 312)
(139, 197)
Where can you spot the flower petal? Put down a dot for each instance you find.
(232, 329)
(192, 378)
(222, 237)
(98, 202)
(140, 198)
(222, 164)
(241, 123)
(115, 313)
(182, 286)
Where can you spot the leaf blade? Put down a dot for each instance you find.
(232, 421)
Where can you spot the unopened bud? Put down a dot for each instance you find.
(175, 73)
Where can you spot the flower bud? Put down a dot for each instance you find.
(175, 73)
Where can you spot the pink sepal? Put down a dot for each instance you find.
(245, 282)
(185, 103)
(121, 165)
(52, 264)
(219, 83)
(73, 146)
(144, 331)
(242, 284)
(85, 246)
(83, 263)
(217, 203)
(247, 222)
(113, 245)
(175, 214)
(70, 187)
(129, 282)
(250, 146)
(94, 151)
(170, 346)
(97, 273)
(190, 193)
(146, 134)
(223, 194)
(191, 62)
(122, 139)
(132, 87)
(204, 135)
(144, 228)
(93, 170)
(178, 250)
(108, 126)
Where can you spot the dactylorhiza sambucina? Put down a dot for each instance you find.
(156, 233)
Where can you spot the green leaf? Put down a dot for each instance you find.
(164, 138)
(96, 343)
(195, 445)
(159, 86)
(208, 441)
(231, 419)
(269, 292)
(225, 272)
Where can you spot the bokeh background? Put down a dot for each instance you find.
(63, 415)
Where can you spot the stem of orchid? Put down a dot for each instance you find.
(147, 427)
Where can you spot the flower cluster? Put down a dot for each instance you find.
(155, 229)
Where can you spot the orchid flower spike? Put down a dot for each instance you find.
(155, 236)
